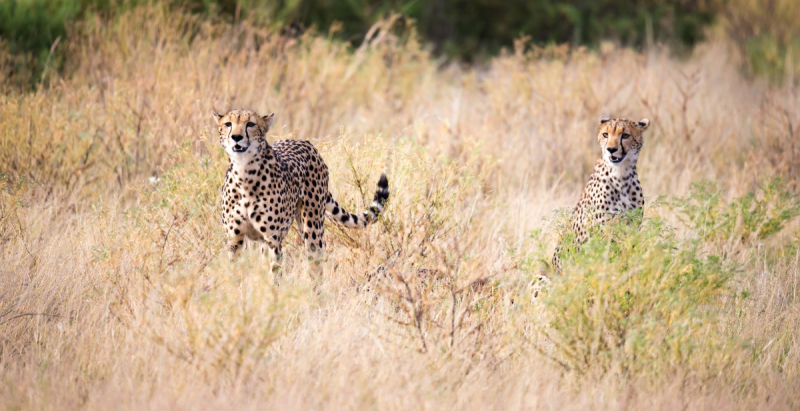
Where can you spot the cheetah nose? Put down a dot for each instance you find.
(237, 138)
(612, 150)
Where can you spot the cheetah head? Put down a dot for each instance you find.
(621, 140)
(241, 133)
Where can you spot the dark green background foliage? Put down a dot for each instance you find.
(30, 29)
(471, 28)
(462, 29)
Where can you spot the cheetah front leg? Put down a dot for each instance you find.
(235, 230)
(235, 244)
(271, 249)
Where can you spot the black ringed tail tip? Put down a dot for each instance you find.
(382, 193)
(366, 218)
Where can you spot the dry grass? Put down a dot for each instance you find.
(114, 292)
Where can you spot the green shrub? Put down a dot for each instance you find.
(637, 298)
(646, 300)
(753, 216)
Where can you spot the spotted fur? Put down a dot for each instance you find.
(614, 185)
(267, 187)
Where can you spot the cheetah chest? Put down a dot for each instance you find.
(623, 193)
(263, 202)
(623, 203)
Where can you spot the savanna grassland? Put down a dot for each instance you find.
(115, 291)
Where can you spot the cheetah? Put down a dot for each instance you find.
(267, 187)
(614, 185)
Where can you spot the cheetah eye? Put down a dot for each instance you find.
(228, 124)
(605, 135)
(626, 135)
(251, 125)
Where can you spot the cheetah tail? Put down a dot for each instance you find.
(341, 216)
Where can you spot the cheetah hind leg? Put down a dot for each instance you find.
(312, 240)
(315, 252)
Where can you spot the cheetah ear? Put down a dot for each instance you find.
(217, 116)
(268, 119)
(644, 123)
(604, 119)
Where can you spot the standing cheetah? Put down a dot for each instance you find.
(614, 186)
(267, 187)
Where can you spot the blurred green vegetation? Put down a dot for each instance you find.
(468, 29)
(32, 30)
(465, 30)
(29, 29)
(767, 33)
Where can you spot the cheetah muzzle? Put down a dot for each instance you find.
(269, 187)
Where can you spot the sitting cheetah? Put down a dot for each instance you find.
(267, 187)
(614, 186)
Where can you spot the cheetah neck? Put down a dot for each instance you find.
(242, 165)
(619, 172)
(247, 172)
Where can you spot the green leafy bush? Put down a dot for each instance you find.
(640, 299)
(644, 299)
(753, 216)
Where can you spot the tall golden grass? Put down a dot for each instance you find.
(115, 292)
